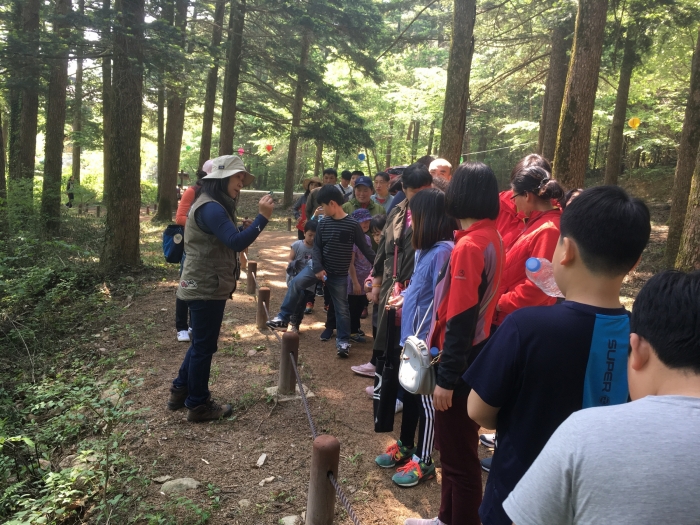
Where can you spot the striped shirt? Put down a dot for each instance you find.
(333, 245)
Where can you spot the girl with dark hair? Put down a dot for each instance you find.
(510, 223)
(299, 208)
(533, 192)
(209, 276)
(464, 304)
(432, 239)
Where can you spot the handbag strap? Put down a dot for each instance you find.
(396, 245)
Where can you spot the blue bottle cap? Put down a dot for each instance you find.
(434, 352)
(533, 264)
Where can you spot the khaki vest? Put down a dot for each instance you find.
(211, 269)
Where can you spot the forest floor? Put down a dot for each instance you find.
(222, 455)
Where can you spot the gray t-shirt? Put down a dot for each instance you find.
(632, 464)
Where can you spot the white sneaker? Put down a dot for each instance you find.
(488, 440)
(419, 521)
(399, 406)
(370, 391)
(183, 336)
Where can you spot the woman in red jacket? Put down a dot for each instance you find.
(533, 192)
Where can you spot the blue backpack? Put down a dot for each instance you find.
(174, 243)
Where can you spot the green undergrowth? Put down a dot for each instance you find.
(66, 425)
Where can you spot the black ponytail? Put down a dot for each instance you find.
(538, 181)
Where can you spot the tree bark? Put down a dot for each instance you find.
(14, 101)
(414, 143)
(297, 107)
(689, 253)
(106, 98)
(574, 136)
(212, 77)
(78, 105)
(556, 83)
(3, 182)
(376, 160)
(233, 71)
(629, 60)
(319, 158)
(431, 136)
(161, 135)
(174, 126)
(121, 247)
(687, 152)
(454, 115)
(55, 124)
(30, 109)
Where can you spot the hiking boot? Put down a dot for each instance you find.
(357, 338)
(367, 369)
(294, 328)
(276, 323)
(176, 401)
(395, 453)
(486, 464)
(208, 411)
(413, 472)
(488, 440)
(326, 334)
(343, 349)
(183, 336)
(309, 308)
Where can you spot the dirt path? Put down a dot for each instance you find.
(222, 455)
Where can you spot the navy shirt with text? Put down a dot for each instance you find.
(540, 366)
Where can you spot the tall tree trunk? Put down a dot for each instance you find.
(106, 98)
(297, 107)
(233, 71)
(336, 160)
(556, 83)
(78, 104)
(14, 99)
(161, 136)
(389, 140)
(629, 60)
(689, 252)
(431, 136)
(55, 124)
(454, 115)
(414, 143)
(376, 160)
(30, 109)
(121, 247)
(687, 152)
(212, 77)
(574, 136)
(174, 126)
(318, 161)
(3, 182)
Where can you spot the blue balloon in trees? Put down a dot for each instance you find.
(361, 156)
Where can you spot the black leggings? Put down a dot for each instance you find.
(418, 411)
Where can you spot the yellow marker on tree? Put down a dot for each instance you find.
(634, 122)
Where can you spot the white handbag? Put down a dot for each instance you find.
(416, 371)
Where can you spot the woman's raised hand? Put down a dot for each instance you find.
(265, 206)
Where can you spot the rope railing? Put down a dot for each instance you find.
(331, 478)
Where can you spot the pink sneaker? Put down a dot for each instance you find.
(370, 391)
(366, 369)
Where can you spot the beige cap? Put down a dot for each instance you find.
(228, 165)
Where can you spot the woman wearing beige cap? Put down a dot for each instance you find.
(209, 275)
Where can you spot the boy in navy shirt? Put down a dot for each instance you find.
(544, 363)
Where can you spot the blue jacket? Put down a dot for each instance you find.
(418, 295)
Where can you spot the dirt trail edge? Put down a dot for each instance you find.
(223, 455)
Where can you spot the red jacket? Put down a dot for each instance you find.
(509, 223)
(539, 239)
(465, 300)
(185, 204)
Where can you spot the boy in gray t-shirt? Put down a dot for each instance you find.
(300, 256)
(608, 465)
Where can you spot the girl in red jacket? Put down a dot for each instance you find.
(533, 192)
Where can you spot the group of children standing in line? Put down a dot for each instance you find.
(514, 361)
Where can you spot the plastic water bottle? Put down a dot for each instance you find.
(540, 272)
